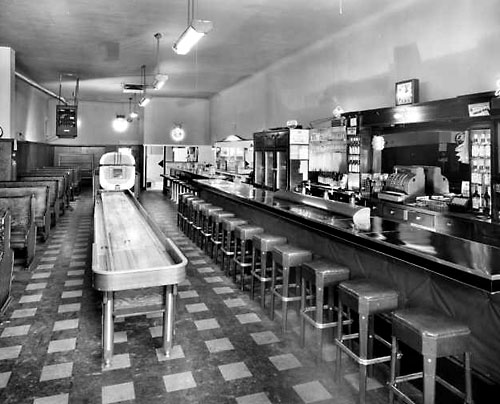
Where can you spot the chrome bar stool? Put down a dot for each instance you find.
(197, 221)
(191, 203)
(167, 185)
(433, 335)
(216, 238)
(243, 235)
(182, 209)
(184, 187)
(287, 259)
(262, 245)
(319, 277)
(175, 189)
(367, 298)
(206, 225)
(228, 246)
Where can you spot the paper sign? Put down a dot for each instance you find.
(479, 109)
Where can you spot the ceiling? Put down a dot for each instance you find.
(105, 42)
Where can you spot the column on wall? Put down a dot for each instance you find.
(7, 91)
(7, 102)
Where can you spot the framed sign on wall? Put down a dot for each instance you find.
(407, 92)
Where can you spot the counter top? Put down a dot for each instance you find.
(466, 261)
(219, 174)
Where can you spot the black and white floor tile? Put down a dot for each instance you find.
(227, 350)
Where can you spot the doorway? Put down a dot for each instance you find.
(154, 156)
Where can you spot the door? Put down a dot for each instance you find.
(281, 170)
(259, 168)
(269, 169)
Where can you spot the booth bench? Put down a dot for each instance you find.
(6, 260)
(23, 229)
(42, 202)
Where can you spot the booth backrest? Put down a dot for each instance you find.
(51, 184)
(74, 173)
(21, 208)
(35, 177)
(41, 193)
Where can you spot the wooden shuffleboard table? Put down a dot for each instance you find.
(131, 252)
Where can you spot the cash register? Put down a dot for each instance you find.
(406, 183)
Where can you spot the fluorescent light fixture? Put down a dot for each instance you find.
(159, 81)
(196, 30)
(120, 124)
(144, 101)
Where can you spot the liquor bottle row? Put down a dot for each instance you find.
(354, 165)
(481, 201)
(481, 143)
(354, 145)
(354, 151)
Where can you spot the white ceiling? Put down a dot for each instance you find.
(105, 42)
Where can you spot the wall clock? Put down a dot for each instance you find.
(407, 92)
(1, 131)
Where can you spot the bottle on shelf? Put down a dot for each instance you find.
(475, 145)
(486, 202)
(482, 145)
(476, 200)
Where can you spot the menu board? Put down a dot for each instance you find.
(299, 136)
(299, 152)
(328, 149)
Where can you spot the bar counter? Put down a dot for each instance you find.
(454, 275)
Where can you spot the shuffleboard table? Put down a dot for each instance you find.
(131, 252)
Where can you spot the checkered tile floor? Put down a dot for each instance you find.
(227, 349)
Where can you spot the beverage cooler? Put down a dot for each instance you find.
(480, 164)
(281, 158)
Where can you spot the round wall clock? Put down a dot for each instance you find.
(1, 131)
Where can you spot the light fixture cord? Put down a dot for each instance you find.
(190, 11)
(158, 37)
(143, 71)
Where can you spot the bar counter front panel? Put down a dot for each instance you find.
(456, 276)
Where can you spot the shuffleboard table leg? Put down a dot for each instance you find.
(107, 327)
(168, 318)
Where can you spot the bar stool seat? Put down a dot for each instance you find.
(322, 276)
(367, 298)
(433, 335)
(216, 238)
(289, 258)
(262, 245)
(228, 246)
(206, 225)
(243, 235)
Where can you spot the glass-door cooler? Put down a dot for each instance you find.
(281, 158)
(271, 159)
